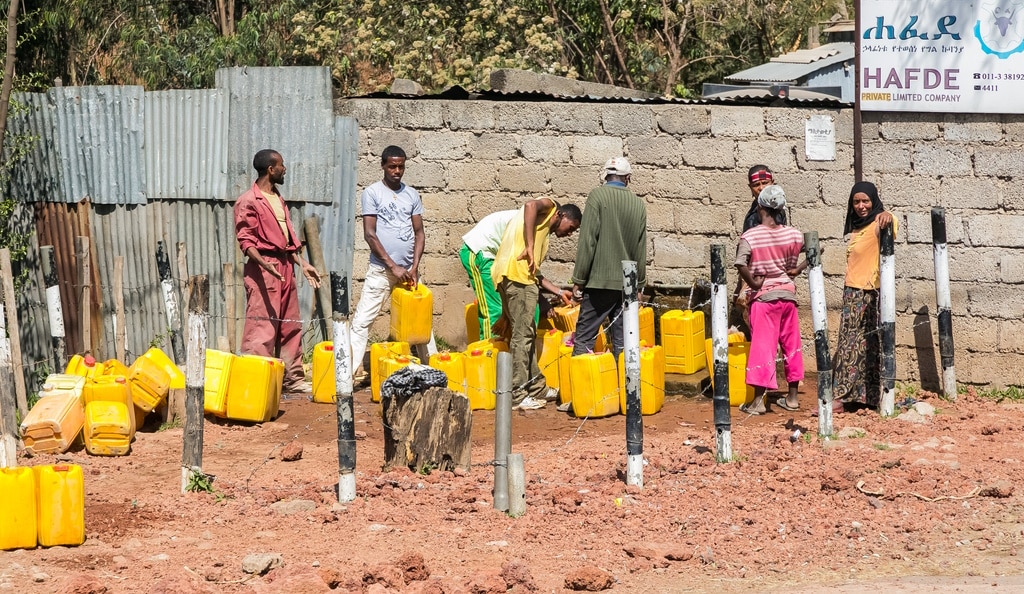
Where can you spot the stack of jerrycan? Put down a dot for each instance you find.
(454, 366)
(481, 363)
(378, 352)
(57, 417)
(682, 335)
(42, 505)
(652, 380)
(412, 310)
(87, 367)
(739, 392)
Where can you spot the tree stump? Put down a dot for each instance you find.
(428, 430)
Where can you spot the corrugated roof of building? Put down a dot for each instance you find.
(794, 66)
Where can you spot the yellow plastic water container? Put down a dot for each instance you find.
(388, 365)
(739, 392)
(254, 388)
(140, 417)
(595, 385)
(454, 366)
(60, 489)
(564, 377)
(160, 358)
(472, 322)
(481, 380)
(324, 385)
(149, 382)
(109, 388)
(494, 343)
(601, 342)
(114, 367)
(647, 325)
(564, 317)
(547, 356)
(412, 313)
(57, 417)
(109, 428)
(682, 335)
(378, 351)
(216, 374)
(83, 365)
(652, 380)
(18, 517)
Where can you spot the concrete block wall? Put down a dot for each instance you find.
(471, 158)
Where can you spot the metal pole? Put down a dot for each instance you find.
(887, 299)
(720, 346)
(163, 265)
(343, 382)
(195, 379)
(943, 302)
(631, 350)
(502, 430)
(816, 280)
(54, 311)
(516, 486)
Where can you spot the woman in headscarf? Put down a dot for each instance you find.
(857, 363)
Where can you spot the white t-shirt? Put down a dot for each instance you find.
(485, 237)
(394, 211)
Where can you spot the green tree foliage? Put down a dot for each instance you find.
(664, 46)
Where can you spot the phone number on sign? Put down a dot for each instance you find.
(999, 76)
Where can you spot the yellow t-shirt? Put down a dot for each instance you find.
(506, 262)
(862, 254)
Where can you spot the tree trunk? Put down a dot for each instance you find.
(429, 430)
(12, 47)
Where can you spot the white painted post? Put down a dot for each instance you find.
(343, 381)
(943, 302)
(631, 350)
(819, 317)
(720, 346)
(887, 299)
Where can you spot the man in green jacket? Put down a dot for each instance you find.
(614, 229)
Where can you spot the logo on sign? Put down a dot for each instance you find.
(1000, 31)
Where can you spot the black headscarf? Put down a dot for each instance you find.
(853, 222)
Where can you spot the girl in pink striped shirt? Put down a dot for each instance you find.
(767, 258)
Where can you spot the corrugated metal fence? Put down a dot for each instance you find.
(128, 168)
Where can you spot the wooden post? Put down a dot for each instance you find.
(85, 290)
(943, 302)
(120, 333)
(316, 258)
(163, 265)
(720, 347)
(8, 420)
(343, 381)
(229, 304)
(54, 309)
(198, 315)
(887, 311)
(182, 267)
(631, 356)
(14, 330)
(819, 317)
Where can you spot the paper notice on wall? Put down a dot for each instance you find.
(820, 138)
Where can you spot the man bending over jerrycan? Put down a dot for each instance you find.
(393, 228)
(515, 272)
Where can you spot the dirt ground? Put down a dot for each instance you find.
(938, 508)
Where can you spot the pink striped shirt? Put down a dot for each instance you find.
(772, 251)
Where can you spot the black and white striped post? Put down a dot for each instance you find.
(631, 354)
(819, 317)
(943, 302)
(170, 294)
(887, 305)
(343, 382)
(720, 348)
(54, 310)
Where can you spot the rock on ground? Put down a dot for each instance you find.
(260, 563)
(292, 452)
(589, 579)
(413, 567)
(294, 580)
(517, 574)
(295, 506)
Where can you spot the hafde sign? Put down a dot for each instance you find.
(943, 56)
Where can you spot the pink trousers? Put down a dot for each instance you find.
(272, 325)
(774, 324)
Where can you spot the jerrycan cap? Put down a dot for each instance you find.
(328, 347)
(120, 379)
(552, 331)
(89, 360)
(476, 352)
(402, 359)
(444, 356)
(47, 387)
(61, 467)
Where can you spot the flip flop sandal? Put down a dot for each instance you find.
(781, 403)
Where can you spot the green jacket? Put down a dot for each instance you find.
(614, 229)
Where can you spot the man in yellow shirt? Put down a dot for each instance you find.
(515, 272)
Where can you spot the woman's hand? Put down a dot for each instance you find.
(884, 219)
